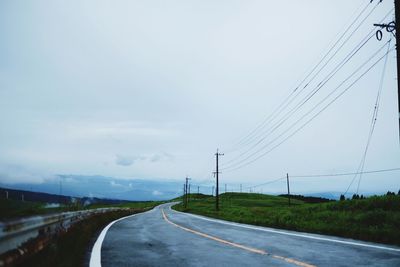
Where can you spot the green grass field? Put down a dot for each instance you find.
(373, 219)
(10, 208)
(134, 204)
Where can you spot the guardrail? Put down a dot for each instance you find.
(27, 236)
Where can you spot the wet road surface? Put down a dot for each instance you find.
(164, 237)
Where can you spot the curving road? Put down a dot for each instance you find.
(164, 237)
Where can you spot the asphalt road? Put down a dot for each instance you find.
(163, 237)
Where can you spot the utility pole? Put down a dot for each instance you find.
(397, 18)
(184, 195)
(390, 28)
(59, 196)
(212, 191)
(240, 188)
(217, 184)
(189, 194)
(186, 191)
(198, 189)
(225, 188)
(288, 189)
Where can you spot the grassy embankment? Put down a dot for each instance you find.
(10, 208)
(372, 219)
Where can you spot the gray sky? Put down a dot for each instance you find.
(150, 89)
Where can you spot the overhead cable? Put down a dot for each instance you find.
(313, 117)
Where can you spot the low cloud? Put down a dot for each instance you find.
(161, 157)
(155, 158)
(157, 193)
(115, 184)
(14, 174)
(124, 160)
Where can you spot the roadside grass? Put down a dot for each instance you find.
(192, 196)
(73, 247)
(372, 219)
(133, 204)
(10, 209)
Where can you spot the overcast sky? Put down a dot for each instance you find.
(150, 89)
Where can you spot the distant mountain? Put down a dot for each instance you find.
(96, 186)
(32, 196)
(52, 198)
(104, 187)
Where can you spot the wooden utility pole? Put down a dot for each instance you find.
(397, 18)
(288, 188)
(390, 28)
(217, 182)
(189, 194)
(186, 191)
(184, 195)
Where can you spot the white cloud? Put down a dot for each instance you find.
(119, 130)
(127, 160)
(136, 86)
(161, 157)
(157, 193)
(124, 160)
(12, 173)
(115, 184)
(155, 158)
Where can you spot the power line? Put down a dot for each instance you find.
(372, 127)
(348, 38)
(344, 174)
(374, 116)
(323, 100)
(266, 183)
(323, 175)
(309, 96)
(312, 118)
(255, 132)
(279, 108)
(312, 93)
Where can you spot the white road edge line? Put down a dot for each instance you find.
(95, 255)
(287, 233)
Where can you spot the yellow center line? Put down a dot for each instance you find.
(254, 250)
